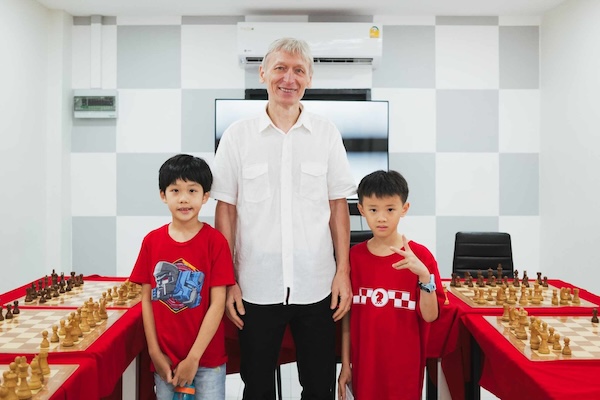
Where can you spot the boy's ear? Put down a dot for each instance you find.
(163, 197)
(205, 197)
(360, 209)
(405, 208)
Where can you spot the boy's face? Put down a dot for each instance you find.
(184, 199)
(383, 214)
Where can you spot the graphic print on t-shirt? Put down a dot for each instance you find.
(178, 285)
(380, 297)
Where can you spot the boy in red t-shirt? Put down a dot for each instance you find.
(184, 268)
(396, 293)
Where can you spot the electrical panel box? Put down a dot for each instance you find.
(95, 103)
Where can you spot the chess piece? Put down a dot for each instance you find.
(28, 296)
(505, 315)
(566, 349)
(43, 360)
(556, 345)
(595, 316)
(68, 339)
(45, 343)
(576, 299)
(516, 282)
(554, 297)
(83, 324)
(525, 279)
(523, 300)
(545, 282)
(550, 336)
(539, 278)
(35, 381)
(543, 349)
(11, 380)
(104, 315)
(1, 313)
(9, 314)
(110, 298)
(23, 391)
(54, 338)
(564, 297)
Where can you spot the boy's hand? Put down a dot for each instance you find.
(185, 372)
(234, 305)
(162, 364)
(344, 379)
(410, 261)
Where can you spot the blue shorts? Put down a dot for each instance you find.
(209, 383)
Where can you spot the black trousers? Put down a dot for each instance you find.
(313, 330)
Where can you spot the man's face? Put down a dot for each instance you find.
(286, 76)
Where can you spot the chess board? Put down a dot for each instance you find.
(584, 336)
(59, 373)
(23, 333)
(467, 295)
(79, 295)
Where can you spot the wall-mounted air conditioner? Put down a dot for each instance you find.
(331, 43)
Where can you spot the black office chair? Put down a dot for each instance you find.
(479, 251)
(357, 237)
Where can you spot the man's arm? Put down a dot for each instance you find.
(225, 222)
(339, 224)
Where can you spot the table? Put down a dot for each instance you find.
(461, 363)
(509, 375)
(102, 363)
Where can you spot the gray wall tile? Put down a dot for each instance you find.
(149, 57)
(95, 245)
(94, 136)
(519, 184)
(519, 57)
(419, 171)
(467, 120)
(446, 233)
(408, 58)
(198, 117)
(137, 185)
(476, 20)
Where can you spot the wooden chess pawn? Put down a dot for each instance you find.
(45, 343)
(35, 381)
(54, 338)
(576, 299)
(505, 315)
(543, 349)
(1, 313)
(110, 298)
(104, 315)
(85, 327)
(595, 316)
(9, 314)
(556, 345)
(550, 335)
(523, 300)
(566, 349)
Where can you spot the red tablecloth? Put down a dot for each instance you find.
(510, 375)
(105, 360)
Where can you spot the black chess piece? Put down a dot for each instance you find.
(1, 315)
(9, 314)
(595, 316)
(28, 296)
(16, 309)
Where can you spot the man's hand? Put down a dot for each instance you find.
(410, 261)
(234, 306)
(341, 295)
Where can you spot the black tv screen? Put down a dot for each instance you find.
(363, 124)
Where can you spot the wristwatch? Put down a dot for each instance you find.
(428, 287)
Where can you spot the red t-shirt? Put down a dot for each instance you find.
(387, 333)
(181, 275)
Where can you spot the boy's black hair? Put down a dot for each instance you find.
(383, 184)
(187, 168)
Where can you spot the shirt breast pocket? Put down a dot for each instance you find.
(313, 180)
(256, 183)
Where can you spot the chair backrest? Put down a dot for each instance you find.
(479, 251)
(357, 237)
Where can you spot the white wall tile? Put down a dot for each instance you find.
(519, 121)
(420, 229)
(467, 57)
(404, 20)
(149, 121)
(130, 233)
(80, 47)
(93, 184)
(209, 57)
(467, 184)
(412, 121)
(148, 20)
(525, 241)
(109, 56)
(342, 77)
(520, 20)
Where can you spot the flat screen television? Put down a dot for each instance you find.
(364, 126)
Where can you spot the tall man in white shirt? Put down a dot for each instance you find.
(281, 180)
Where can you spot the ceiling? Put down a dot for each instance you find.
(301, 7)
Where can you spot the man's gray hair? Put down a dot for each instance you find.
(292, 46)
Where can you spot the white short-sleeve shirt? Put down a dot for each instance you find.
(281, 184)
